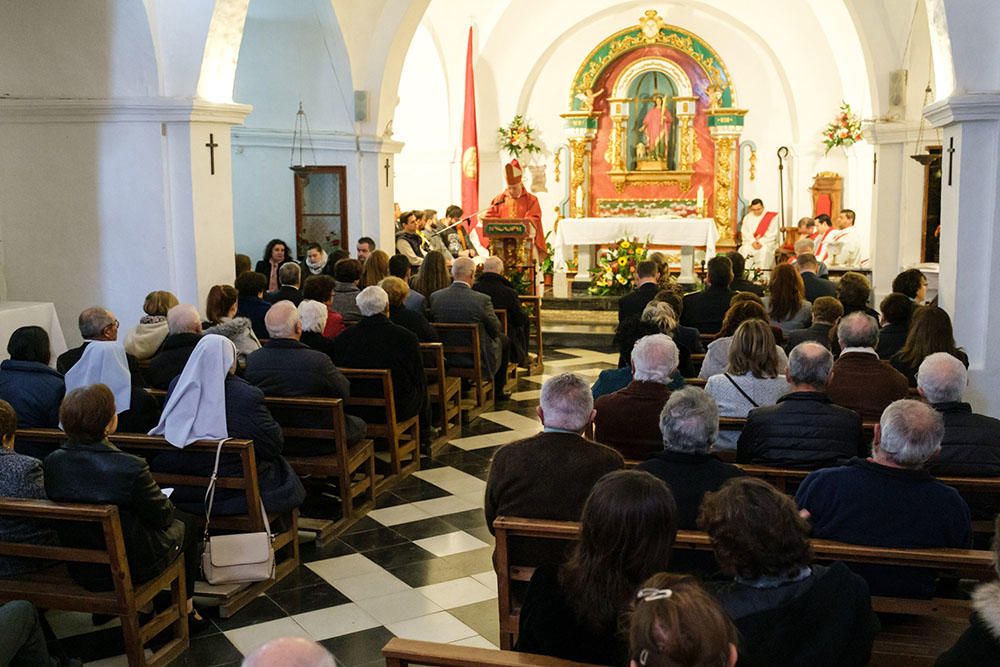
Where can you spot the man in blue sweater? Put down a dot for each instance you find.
(889, 500)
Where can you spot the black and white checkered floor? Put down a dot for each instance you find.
(419, 566)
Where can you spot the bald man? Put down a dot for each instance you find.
(501, 291)
(183, 334)
(290, 652)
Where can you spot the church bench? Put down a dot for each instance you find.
(372, 388)
(532, 304)
(444, 393)
(285, 542)
(972, 564)
(403, 652)
(54, 588)
(462, 340)
(696, 361)
(511, 366)
(353, 466)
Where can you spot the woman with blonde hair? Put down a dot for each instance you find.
(787, 305)
(747, 307)
(145, 339)
(433, 274)
(375, 268)
(751, 378)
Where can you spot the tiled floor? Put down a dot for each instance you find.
(419, 566)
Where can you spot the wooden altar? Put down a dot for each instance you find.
(512, 240)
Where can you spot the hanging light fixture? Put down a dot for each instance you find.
(300, 137)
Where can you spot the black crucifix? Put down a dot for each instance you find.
(951, 156)
(211, 146)
(387, 172)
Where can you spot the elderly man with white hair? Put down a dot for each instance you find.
(970, 446)
(375, 342)
(183, 334)
(861, 381)
(501, 291)
(890, 500)
(550, 475)
(629, 419)
(689, 425)
(287, 367)
(461, 304)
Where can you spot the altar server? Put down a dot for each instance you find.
(517, 202)
(845, 249)
(760, 232)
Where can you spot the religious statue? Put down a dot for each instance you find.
(656, 125)
(640, 151)
(587, 98)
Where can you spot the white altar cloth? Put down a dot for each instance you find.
(657, 230)
(17, 314)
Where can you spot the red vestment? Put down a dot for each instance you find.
(525, 206)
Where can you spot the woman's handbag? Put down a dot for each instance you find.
(241, 558)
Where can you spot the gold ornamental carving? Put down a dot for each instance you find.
(725, 149)
(578, 200)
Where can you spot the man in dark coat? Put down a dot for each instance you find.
(896, 312)
(289, 284)
(826, 310)
(740, 282)
(816, 287)
(705, 310)
(184, 332)
(646, 286)
(861, 381)
(251, 286)
(287, 367)
(804, 429)
(501, 292)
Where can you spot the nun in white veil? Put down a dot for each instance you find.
(104, 362)
(207, 401)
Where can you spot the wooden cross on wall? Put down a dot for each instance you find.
(211, 146)
(951, 156)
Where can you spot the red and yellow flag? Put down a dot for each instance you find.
(470, 147)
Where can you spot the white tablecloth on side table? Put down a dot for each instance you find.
(17, 314)
(698, 232)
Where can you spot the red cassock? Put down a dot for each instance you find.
(525, 206)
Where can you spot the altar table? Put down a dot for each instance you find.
(587, 232)
(17, 314)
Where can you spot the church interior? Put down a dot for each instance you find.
(145, 143)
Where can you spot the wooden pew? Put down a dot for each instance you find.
(696, 361)
(532, 304)
(286, 543)
(511, 366)
(969, 563)
(403, 652)
(402, 437)
(462, 340)
(54, 588)
(444, 392)
(353, 466)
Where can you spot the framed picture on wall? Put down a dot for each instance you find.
(320, 207)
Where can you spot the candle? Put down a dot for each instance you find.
(701, 200)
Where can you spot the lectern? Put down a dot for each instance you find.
(512, 240)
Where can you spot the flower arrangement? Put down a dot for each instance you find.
(615, 267)
(517, 138)
(844, 130)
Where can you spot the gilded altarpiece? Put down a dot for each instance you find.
(652, 120)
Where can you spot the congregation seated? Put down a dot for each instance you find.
(313, 315)
(20, 477)
(689, 426)
(751, 378)
(89, 469)
(788, 610)
(980, 643)
(105, 362)
(287, 367)
(662, 315)
(705, 310)
(549, 475)
(971, 442)
(276, 253)
(145, 339)
(458, 302)
(316, 263)
(220, 315)
(930, 332)
(27, 381)
(912, 284)
(375, 342)
(493, 284)
(891, 500)
(628, 420)
(320, 289)
(628, 333)
(685, 337)
(572, 611)
(413, 320)
(897, 310)
(853, 292)
(209, 402)
(374, 268)
(242, 264)
(399, 267)
(408, 242)
(804, 429)
(346, 275)
(646, 287)
(289, 284)
(786, 304)
(813, 282)
(432, 275)
(861, 381)
(717, 353)
(740, 282)
(184, 324)
(251, 305)
(98, 324)
(826, 310)
(674, 621)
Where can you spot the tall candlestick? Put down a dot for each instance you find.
(701, 201)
